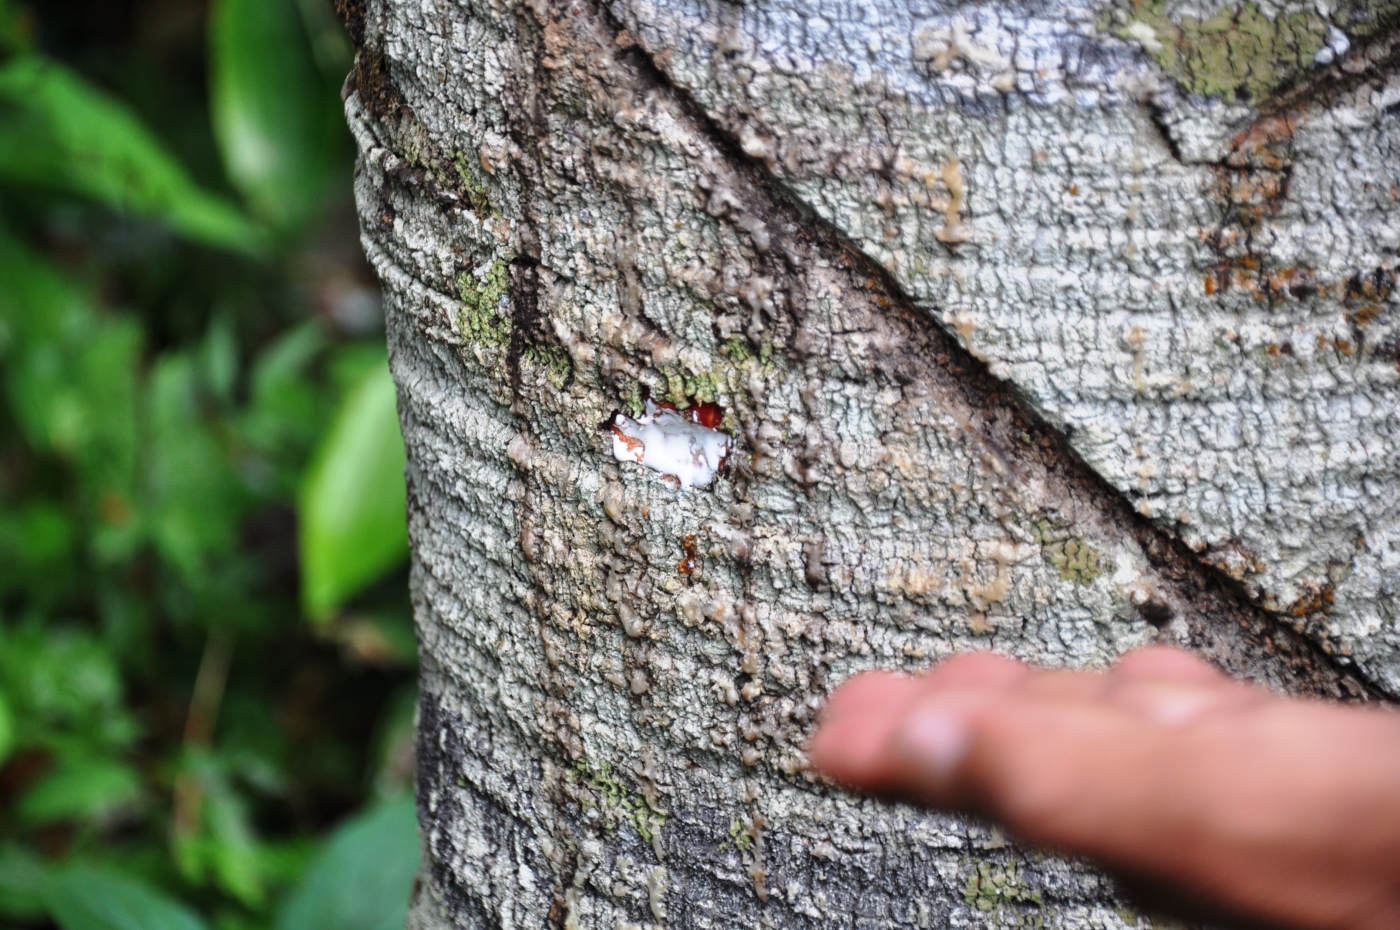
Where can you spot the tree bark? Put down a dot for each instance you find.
(1050, 330)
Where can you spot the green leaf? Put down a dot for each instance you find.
(58, 131)
(219, 358)
(283, 363)
(58, 394)
(86, 898)
(22, 877)
(84, 790)
(62, 676)
(352, 524)
(79, 400)
(362, 879)
(36, 537)
(71, 376)
(223, 845)
(287, 408)
(7, 729)
(193, 495)
(233, 848)
(273, 113)
(330, 46)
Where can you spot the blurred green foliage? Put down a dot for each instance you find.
(351, 531)
(277, 120)
(206, 652)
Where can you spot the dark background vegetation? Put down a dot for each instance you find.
(206, 654)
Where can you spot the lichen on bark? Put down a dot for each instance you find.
(485, 316)
(1245, 51)
(1239, 53)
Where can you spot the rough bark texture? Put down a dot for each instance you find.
(1055, 329)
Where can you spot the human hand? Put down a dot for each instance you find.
(1208, 797)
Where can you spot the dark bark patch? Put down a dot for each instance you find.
(528, 327)
(381, 97)
(352, 15)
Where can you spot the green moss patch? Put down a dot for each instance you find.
(559, 368)
(990, 887)
(1238, 54)
(614, 801)
(472, 188)
(1072, 556)
(483, 318)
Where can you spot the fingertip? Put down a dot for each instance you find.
(855, 722)
(829, 752)
(857, 744)
(849, 750)
(868, 692)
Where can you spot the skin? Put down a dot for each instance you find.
(1208, 797)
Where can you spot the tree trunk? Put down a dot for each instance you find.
(1050, 330)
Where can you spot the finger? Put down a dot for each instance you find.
(975, 669)
(1062, 685)
(1200, 806)
(1170, 686)
(1281, 809)
(856, 722)
(1166, 662)
(869, 692)
(1037, 764)
(924, 755)
(1172, 703)
(861, 714)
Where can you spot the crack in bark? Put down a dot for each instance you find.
(1219, 598)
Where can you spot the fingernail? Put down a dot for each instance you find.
(936, 739)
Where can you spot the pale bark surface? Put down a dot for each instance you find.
(983, 403)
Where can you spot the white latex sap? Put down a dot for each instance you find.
(665, 441)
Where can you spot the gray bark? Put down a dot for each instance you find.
(1038, 328)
